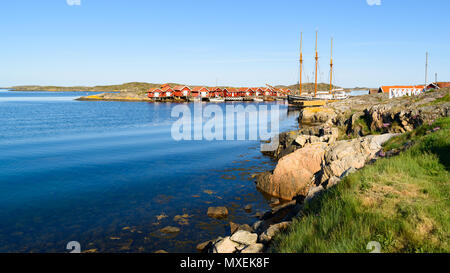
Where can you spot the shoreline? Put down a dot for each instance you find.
(130, 96)
(347, 139)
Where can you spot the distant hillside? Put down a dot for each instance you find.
(137, 87)
(140, 87)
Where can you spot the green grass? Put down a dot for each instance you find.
(402, 202)
(361, 125)
(445, 98)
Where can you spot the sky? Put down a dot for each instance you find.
(225, 43)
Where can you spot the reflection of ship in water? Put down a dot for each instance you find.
(293, 111)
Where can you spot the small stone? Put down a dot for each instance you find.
(301, 140)
(233, 227)
(225, 246)
(244, 237)
(248, 208)
(170, 229)
(332, 181)
(313, 192)
(267, 235)
(347, 172)
(274, 201)
(162, 216)
(255, 248)
(245, 227)
(182, 219)
(256, 225)
(314, 139)
(200, 247)
(217, 212)
(258, 214)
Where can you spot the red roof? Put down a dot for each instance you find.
(166, 88)
(199, 88)
(215, 89)
(151, 90)
(443, 84)
(180, 87)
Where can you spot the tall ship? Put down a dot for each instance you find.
(331, 94)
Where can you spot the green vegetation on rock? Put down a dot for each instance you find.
(401, 201)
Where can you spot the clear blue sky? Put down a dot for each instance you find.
(237, 43)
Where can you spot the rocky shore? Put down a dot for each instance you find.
(333, 142)
(121, 96)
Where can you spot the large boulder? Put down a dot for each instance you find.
(347, 154)
(294, 173)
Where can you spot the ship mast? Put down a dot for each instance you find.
(301, 64)
(331, 65)
(317, 58)
(426, 69)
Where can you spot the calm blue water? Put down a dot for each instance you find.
(101, 172)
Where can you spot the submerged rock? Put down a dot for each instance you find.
(182, 219)
(217, 212)
(205, 245)
(170, 229)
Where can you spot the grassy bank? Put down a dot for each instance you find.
(402, 202)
